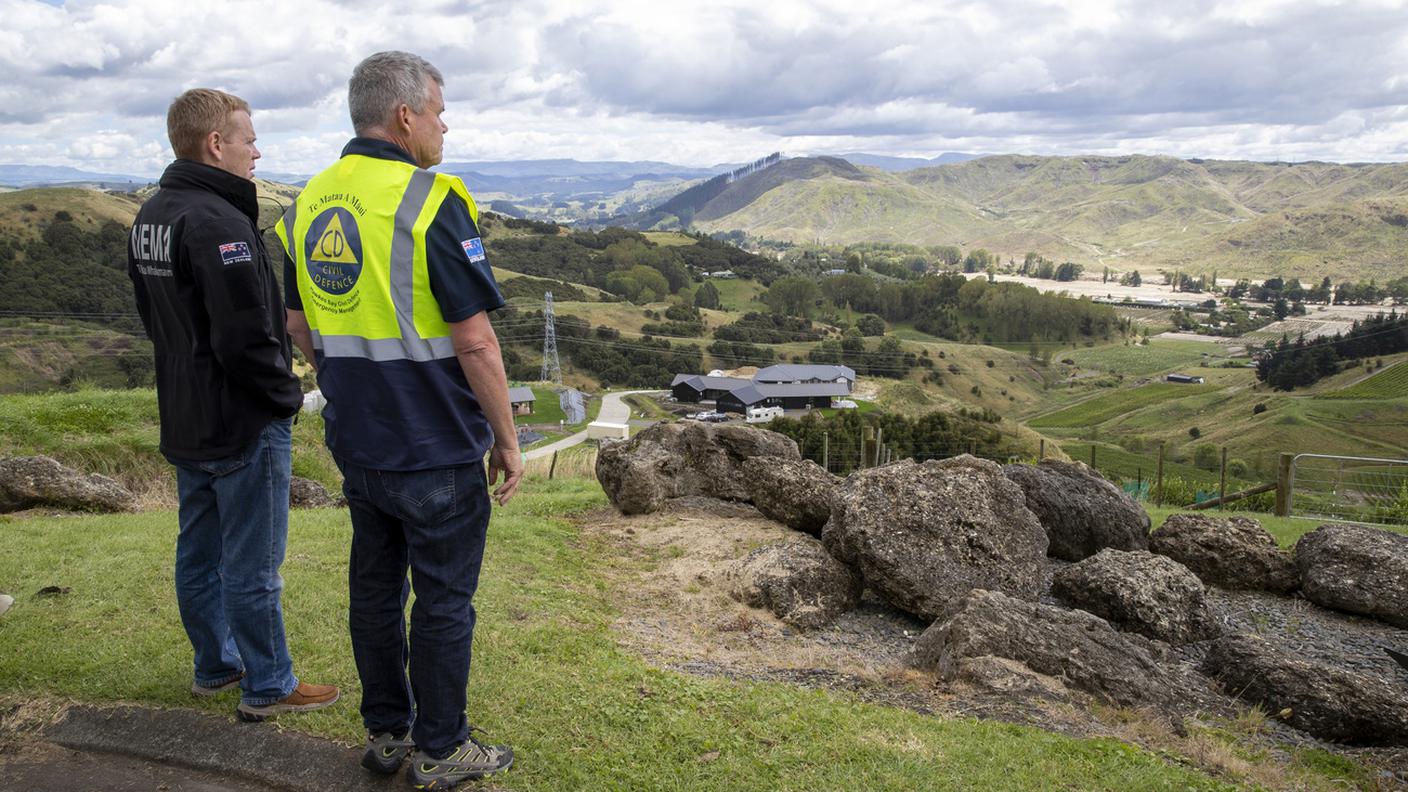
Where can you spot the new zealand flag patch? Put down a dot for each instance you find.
(235, 253)
(474, 248)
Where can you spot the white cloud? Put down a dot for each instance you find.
(87, 83)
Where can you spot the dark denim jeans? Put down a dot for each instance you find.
(432, 522)
(234, 528)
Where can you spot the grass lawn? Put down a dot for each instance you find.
(1116, 403)
(1137, 360)
(547, 408)
(580, 712)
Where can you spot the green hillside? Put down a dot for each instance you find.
(1136, 212)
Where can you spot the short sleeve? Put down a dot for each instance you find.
(460, 277)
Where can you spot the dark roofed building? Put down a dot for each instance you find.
(788, 396)
(1190, 379)
(698, 387)
(792, 373)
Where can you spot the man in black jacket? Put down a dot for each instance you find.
(226, 394)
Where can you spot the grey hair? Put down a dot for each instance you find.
(385, 81)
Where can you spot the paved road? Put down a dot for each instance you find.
(613, 410)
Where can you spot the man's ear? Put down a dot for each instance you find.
(403, 117)
(214, 146)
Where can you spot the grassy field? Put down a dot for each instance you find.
(739, 295)
(1138, 360)
(1116, 403)
(1389, 383)
(580, 712)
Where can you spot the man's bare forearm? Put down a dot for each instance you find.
(301, 334)
(483, 368)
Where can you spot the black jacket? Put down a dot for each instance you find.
(211, 306)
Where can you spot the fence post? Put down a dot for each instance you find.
(1041, 450)
(1092, 456)
(1222, 481)
(866, 433)
(879, 441)
(1159, 478)
(1283, 485)
(552, 466)
(826, 451)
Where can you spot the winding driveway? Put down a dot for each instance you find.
(613, 410)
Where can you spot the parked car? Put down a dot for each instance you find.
(715, 418)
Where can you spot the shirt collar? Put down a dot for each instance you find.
(374, 147)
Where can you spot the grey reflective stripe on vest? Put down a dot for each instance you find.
(403, 264)
(410, 346)
(379, 349)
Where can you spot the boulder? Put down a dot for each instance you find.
(1329, 702)
(1357, 569)
(1138, 591)
(798, 581)
(308, 494)
(27, 482)
(1079, 648)
(1008, 678)
(794, 492)
(1231, 552)
(1081, 511)
(672, 460)
(923, 535)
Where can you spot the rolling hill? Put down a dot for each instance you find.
(1137, 212)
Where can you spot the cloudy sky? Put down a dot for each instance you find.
(87, 83)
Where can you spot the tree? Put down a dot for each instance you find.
(870, 325)
(707, 296)
(792, 296)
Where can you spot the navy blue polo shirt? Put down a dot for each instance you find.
(405, 414)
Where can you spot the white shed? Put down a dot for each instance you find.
(597, 430)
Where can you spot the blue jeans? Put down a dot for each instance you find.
(432, 522)
(234, 527)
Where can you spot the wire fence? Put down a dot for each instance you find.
(1356, 489)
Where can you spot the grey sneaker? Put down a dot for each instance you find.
(473, 759)
(385, 752)
(204, 691)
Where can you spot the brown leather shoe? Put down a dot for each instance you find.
(304, 698)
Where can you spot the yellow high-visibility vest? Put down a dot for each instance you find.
(356, 236)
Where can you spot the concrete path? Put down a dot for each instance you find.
(613, 410)
(140, 749)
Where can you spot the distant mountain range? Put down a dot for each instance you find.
(1236, 218)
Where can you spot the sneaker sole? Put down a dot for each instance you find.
(254, 714)
(389, 767)
(441, 783)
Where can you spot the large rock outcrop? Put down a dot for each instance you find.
(39, 481)
(1357, 569)
(672, 460)
(1327, 701)
(795, 492)
(923, 535)
(1079, 648)
(1139, 592)
(798, 581)
(1081, 511)
(1231, 552)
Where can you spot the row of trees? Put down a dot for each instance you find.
(1292, 364)
(67, 269)
(849, 437)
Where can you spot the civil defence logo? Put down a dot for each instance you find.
(332, 251)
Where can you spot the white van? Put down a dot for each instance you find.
(762, 414)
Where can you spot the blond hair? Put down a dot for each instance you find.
(195, 114)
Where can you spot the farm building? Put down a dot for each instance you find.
(1188, 379)
(698, 387)
(789, 396)
(521, 398)
(795, 373)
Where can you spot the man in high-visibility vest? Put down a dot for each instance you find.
(389, 291)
